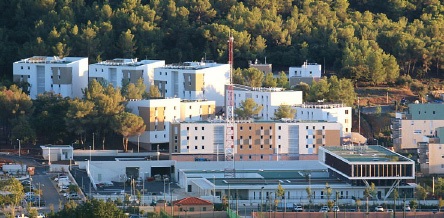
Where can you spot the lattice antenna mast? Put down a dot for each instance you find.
(229, 113)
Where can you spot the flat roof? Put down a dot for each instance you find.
(366, 153)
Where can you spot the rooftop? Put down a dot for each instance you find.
(260, 89)
(126, 62)
(366, 153)
(191, 65)
(48, 60)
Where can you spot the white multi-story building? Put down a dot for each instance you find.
(310, 70)
(65, 76)
(269, 98)
(254, 140)
(159, 113)
(118, 70)
(327, 112)
(193, 81)
(306, 73)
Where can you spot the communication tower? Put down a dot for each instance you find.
(229, 116)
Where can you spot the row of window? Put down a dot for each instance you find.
(249, 128)
(262, 146)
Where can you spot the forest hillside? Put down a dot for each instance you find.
(370, 41)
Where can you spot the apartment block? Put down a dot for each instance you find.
(158, 114)
(329, 112)
(410, 127)
(65, 76)
(431, 153)
(254, 140)
(120, 70)
(269, 98)
(193, 81)
(306, 73)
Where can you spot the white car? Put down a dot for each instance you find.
(335, 209)
(407, 208)
(379, 209)
(324, 209)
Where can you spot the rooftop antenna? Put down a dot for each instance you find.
(265, 59)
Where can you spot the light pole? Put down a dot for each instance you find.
(158, 153)
(89, 153)
(19, 146)
(40, 192)
(93, 142)
(138, 145)
(143, 188)
(262, 198)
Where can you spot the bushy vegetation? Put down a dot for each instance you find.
(361, 40)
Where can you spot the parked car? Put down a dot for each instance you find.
(335, 209)
(389, 210)
(298, 208)
(324, 209)
(379, 209)
(407, 208)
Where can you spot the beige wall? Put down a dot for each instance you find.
(412, 132)
(193, 81)
(436, 160)
(260, 136)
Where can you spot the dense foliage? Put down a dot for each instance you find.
(371, 41)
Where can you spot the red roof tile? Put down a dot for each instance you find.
(192, 201)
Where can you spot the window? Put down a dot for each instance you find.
(241, 147)
(21, 67)
(240, 157)
(188, 147)
(262, 127)
(279, 146)
(433, 112)
(195, 147)
(279, 127)
(346, 111)
(241, 128)
(269, 128)
(306, 146)
(262, 146)
(195, 137)
(203, 128)
(203, 137)
(323, 127)
(155, 136)
(306, 127)
(271, 147)
(249, 157)
(203, 147)
(188, 138)
(262, 137)
(249, 127)
(249, 137)
(249, 146)
(306, 136)
(262, 156)
(279, 137)
(195, 128)
(188, 128)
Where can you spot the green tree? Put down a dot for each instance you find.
(79, 117)
(134, 91)
(280, 194)
(369, 192)
(248, 109)
(282, 80)
(421, 192)
(253, 77)
(154, 92)
(269, 80)
(127, 44)
(91, 208)
(284, 111)
(128, 124)
(14, 192)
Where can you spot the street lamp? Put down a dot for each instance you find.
(40, 192)
(143, 187)
(89, 153)
(19, 146)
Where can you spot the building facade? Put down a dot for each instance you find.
(329, 112)
(120, 70)
(409, 128)
(158, 114)
(65, 76)
(193, 81)
(253, 140)
(306, 73)
(269, 98)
